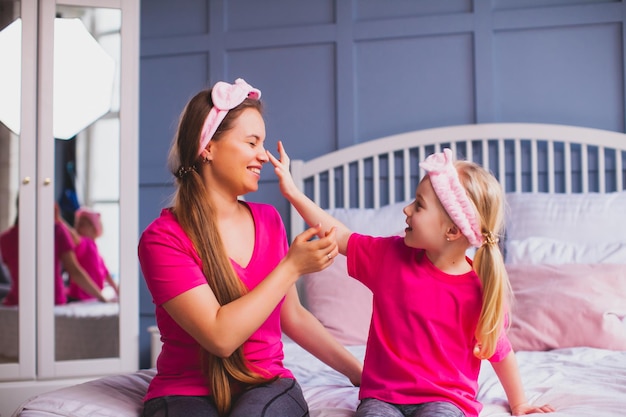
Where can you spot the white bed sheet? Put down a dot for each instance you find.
(111, 396)
(579, 382)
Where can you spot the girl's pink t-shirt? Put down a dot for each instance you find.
(89, 258)
(421, 337)
(171, 266)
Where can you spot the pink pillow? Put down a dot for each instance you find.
(341, 303)
(570, 305)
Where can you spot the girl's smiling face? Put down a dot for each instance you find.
(426, 219)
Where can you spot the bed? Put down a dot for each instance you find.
(565, 248)
(83, 330)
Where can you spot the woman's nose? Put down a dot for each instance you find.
(262, 155)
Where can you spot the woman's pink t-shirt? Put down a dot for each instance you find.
(63, 242)
(421, 337)
(10, 256)
(171, 266)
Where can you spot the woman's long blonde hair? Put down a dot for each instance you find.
(196, 215)
(487, 195)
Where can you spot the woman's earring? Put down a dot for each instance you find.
(206, 160)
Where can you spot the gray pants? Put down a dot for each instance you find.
(371, 407)
(281, 398)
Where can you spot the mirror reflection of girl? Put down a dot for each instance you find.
(88, 228)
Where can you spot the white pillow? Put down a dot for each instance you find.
(538, 250)
(590, 218)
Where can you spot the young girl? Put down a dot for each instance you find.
(87, 228)
(222, 276)
(436, 313)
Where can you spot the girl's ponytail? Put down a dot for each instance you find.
(486, 193)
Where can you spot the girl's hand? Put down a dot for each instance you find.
(525, 408)
(281, 168)
(310, 256)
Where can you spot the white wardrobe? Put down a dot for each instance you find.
(69, 85)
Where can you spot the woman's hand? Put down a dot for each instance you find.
(314, 255)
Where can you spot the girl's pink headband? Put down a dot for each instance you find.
(445, 181)
(225, 97)
(92, 216)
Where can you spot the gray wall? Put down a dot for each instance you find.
(337, 73)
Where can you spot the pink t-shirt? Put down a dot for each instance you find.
(10, 255)
(171, 266)
(421, 338)
(63, 242)
(89, 258)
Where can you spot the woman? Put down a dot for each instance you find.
(222, 275)
(64, 260)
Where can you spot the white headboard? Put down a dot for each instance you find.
(525, 157)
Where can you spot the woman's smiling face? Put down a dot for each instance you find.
(238, 156)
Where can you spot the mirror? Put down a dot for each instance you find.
(86, 125)
(9, 184)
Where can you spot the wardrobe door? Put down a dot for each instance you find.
(87, 142)
(18, 51)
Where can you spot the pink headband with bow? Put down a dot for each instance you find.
(92, 216)
(225, 97)
(445, 181)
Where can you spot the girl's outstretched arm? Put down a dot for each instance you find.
(310, 212)
(508, 374)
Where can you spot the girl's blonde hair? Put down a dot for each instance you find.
(488, 197)
(196, 215)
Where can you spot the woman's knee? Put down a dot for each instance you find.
(179, 406)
